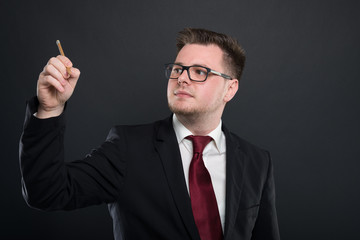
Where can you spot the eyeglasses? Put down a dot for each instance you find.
(196, 73)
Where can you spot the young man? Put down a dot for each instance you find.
(184, 177)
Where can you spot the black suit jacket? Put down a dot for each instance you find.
(138, 172)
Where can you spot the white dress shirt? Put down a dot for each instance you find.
(214, 156)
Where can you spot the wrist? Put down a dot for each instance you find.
(43, 113)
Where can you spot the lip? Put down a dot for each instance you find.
(182, 93)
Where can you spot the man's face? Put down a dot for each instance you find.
(189, 98)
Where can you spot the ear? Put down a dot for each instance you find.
(232, 88)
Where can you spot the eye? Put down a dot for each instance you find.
(200, 71)
(176, 70)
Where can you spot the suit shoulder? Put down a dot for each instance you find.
(245, 143)
(248, 147)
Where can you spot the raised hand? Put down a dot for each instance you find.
(55, 86)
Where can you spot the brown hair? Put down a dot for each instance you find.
(234, 54)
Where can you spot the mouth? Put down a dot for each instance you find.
(182, 93)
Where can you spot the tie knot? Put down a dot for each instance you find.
(199, 142)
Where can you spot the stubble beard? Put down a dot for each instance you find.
(194, 111)
(191, 112)
(183, 111)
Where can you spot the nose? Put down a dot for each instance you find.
(184, 77)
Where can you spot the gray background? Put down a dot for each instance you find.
(298, 98)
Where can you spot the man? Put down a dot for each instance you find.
(184, 177)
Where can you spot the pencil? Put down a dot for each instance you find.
(62, 54)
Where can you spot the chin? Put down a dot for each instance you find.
(183, 110)
(179, 108)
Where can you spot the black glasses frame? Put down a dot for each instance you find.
(208, 70)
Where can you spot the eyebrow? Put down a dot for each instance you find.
(200, 65)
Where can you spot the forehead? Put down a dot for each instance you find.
(196, 54)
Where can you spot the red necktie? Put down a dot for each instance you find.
(203, 200)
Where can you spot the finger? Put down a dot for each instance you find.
(59, 65)
(51, 70)
(49, 80)
(66, 61)
(75, 74)
(68, 64)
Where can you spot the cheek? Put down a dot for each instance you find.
(170, 88)
(216, 91)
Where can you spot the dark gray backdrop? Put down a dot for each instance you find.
(298, 98)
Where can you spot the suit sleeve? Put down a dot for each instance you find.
(49, 183)
(266, 226)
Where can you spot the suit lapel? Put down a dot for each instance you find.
(235, 167)
(168, 149)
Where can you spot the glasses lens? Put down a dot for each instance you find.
(198, 73)
(173, 70)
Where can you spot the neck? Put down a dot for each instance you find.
(199, 125)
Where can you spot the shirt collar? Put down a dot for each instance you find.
(181, 132)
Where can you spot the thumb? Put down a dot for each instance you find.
(75, 74)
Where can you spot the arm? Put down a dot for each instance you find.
(48, 182)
